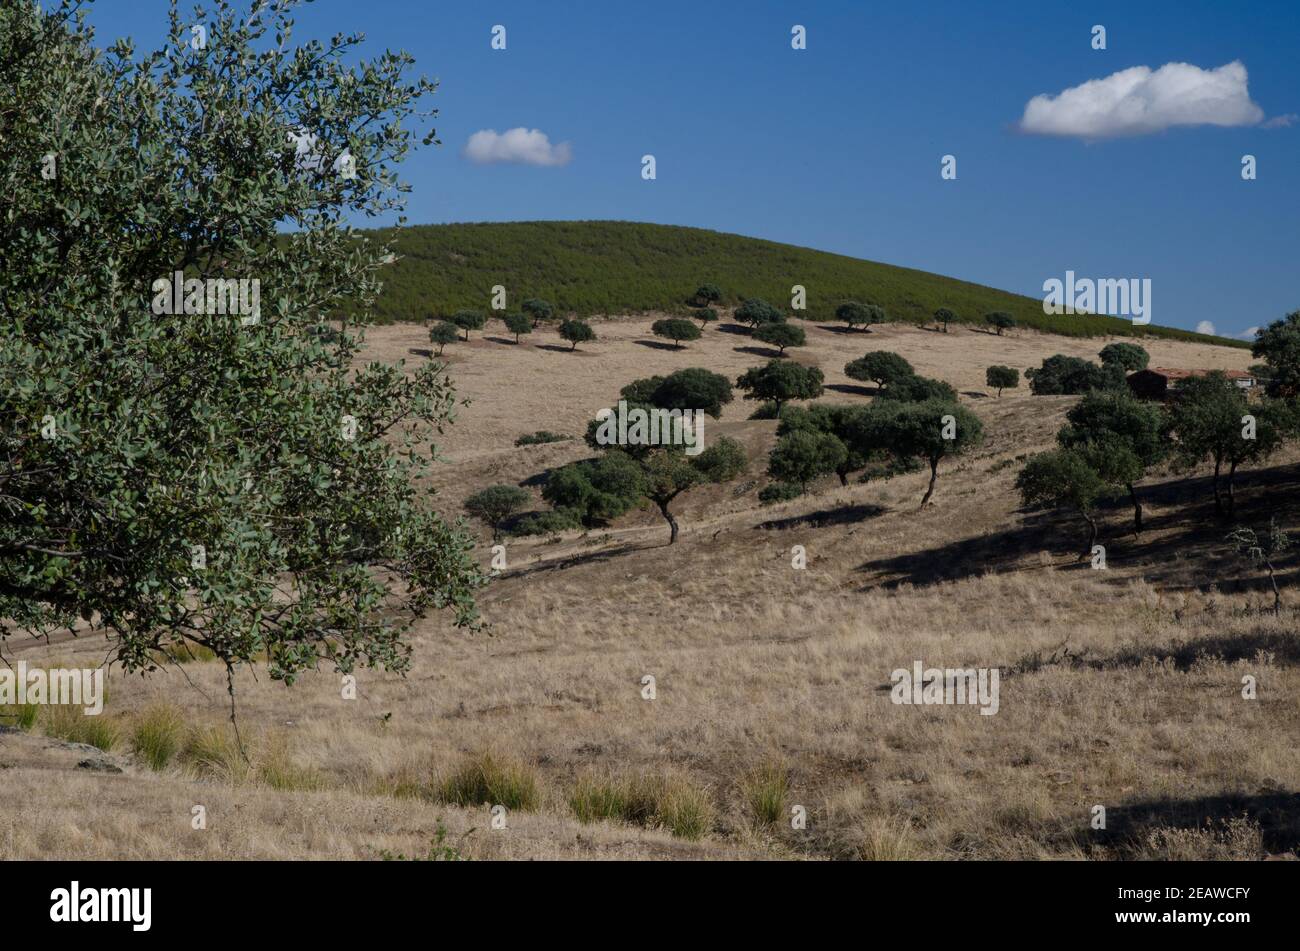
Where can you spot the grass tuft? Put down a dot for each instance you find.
(491, 780)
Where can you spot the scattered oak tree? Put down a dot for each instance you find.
(518, 324)
(691, 388)
(779, 381)
(1063, 478)
(943, 317)
(927, 431)
(781, 335)
(229, 480)
(676, 329)
(1069, 376)
(705, 315)
(707, 294)
(443, 333)
(1000, 320)
(804, 454)
(859, 315)
(1002, 378)
(1213, 420)
(538, 309)
(918, 389)
(880, 367)
(1278, 345)
(495, 504)
(1127, 357)
(576, 332)
(756, 312)
(1116, 423)
(468, 320)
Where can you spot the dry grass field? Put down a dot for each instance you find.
(1119, 687)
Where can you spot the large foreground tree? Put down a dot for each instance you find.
(194, 463)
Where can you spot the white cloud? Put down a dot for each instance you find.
(1206, 327)
(1248, 333)
(523, 146)
(1138, 101)
(1281, 122)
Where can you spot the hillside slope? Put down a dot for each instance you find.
(617, 267)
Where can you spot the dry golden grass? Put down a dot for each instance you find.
(1120, 687)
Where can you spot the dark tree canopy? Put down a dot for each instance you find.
(859, 315)
(1002, 378)
(691, 388)
(538, 309)
(443, 333)
(229, 479)
(676, 329)
(576, 332)
(1129, 357)
(707, 294)
(779, 381)
(705, 315)
(1278, 345)
(881, 367)
(781, 335)
(1000, 320)
(757, 312)
(1063, 478)
(468, 320)
(518, 324)
(493, 505)
(804, 454)
(918, 389)
(1070, 376)
(943, 316)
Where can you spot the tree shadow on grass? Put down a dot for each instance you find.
(767, 352)
(739, 329)
(556, 348)
(1182, 654)
(852, 389)
(572, 561)
(844, 329)
(508, 340)
(658, 345)
(1183, 548)
(824, 518)
(1130, 826)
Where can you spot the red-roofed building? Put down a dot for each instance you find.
(1161, 383)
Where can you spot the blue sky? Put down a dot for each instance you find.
(838, 146)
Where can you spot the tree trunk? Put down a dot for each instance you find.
(1092, 534)
(1218, 502)
(1137, 509)
(1232, 488)
(1277, 595)
(672, 522)
(844, 479)
(574, 347)
(934, 474)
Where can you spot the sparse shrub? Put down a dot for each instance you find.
(23, 717)
(157, 735)
(540, 437)
(649, 800)
(212, 752)
(676, 329)
(72, 724)
(779, 492)
(491, 780)
(546, 523)
(887, 839)
(440, 850)
(765, 791)
(1002, 378)
(707, 294)
(1263, 551)
(576, 332)
(781, 335)
(1236, 839)
(443, 333)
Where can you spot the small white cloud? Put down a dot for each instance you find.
(1281, 122)
(1206, 327)
(522, 146)
(1140, 100)
(1248, 333)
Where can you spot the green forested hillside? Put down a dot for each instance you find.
(593, 268)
